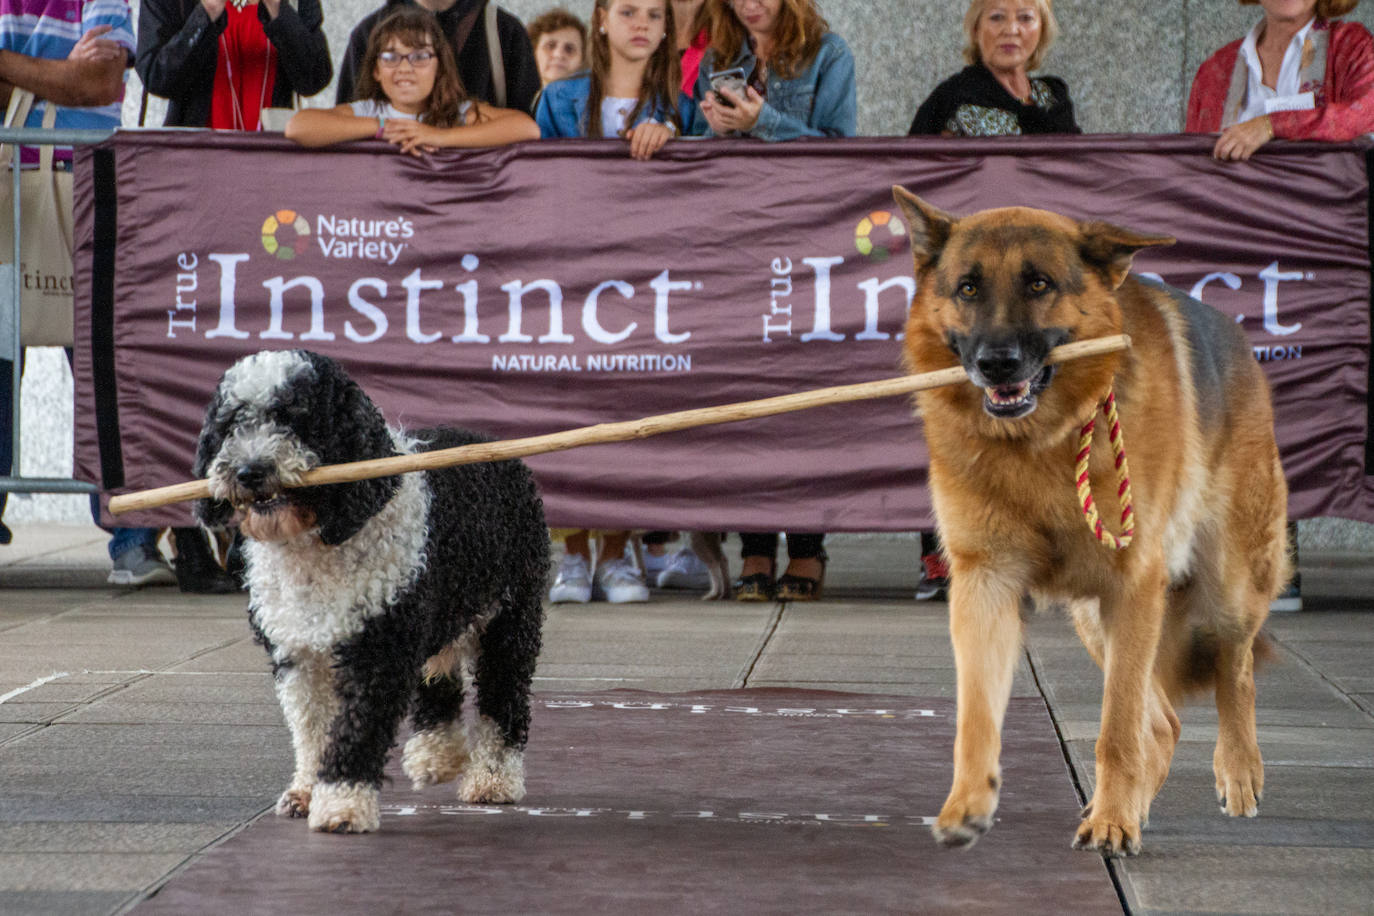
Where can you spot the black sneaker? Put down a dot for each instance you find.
(197, 570)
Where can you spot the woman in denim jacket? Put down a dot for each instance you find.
(798, 75)
(794, 78)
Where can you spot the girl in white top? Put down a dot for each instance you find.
(630, 88)
(409, 94)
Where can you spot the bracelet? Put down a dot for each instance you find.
(381, 125)
(1270, 125)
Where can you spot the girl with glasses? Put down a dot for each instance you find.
(409, 95)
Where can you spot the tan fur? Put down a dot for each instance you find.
(279, 525)
(1209, 551)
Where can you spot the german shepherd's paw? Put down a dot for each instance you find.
(294, 802)
(1111, 836)
(965, 818)
(1240, 785)
(345, 808)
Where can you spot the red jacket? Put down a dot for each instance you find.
(1345, 106)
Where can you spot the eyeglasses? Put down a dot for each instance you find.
(390, 59)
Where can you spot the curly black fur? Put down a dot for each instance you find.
(480, 574)
(487, 548)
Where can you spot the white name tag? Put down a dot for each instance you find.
(1303, 101)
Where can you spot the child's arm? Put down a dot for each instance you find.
(323, 126)
(486, 126)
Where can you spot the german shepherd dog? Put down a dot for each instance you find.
(1180, 607)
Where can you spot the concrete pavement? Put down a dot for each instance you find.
(138, 727)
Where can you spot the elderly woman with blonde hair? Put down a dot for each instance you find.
(1297, 75)
(995, 94)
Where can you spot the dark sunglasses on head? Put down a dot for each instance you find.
(393, 59)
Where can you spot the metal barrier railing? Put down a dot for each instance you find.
(11, 301)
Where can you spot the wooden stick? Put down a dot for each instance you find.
(612, 432)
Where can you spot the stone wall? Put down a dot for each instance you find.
(1128, 64)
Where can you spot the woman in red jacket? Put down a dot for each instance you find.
(1298, 75)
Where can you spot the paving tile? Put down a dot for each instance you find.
(174, 759)
(243, 656)
(34, 837)
(115, 711)
(1280, 745)
(98, 871)
(75, 805)
(1253, 879)
(1202, 712)
(710, 681)
(156, 631)
(186, 772)
(10, 730)
(27, 713)
(120, 736)
(62, 903)
(920, 690)
(1213, 829)
(207, 688)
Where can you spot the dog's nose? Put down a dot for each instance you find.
(999, 364)
(251, 476)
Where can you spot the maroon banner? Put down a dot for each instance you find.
(559, 284)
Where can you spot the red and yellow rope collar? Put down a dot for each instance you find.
(1123, 479)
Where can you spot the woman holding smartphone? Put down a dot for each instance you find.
(793, 76)
(775, 71)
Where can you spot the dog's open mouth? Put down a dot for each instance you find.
(265, 505)
(1008, 402)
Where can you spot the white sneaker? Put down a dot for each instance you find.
(685, 570)
(573, 584)
(654, 564)
(617, 582)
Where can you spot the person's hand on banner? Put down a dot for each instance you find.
(647, 138)
(411, 136)
(1238, 142)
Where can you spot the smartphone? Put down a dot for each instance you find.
(733, 79)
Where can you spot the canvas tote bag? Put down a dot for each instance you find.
(46, 230)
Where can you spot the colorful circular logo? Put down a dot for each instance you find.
(286, 222)
(877, 234)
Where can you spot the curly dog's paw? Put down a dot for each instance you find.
(294, 802)
(492, 785)
(434, 757)
(344, 808)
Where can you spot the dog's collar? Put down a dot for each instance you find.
(1123, 478)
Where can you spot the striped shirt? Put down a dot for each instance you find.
(50, 29)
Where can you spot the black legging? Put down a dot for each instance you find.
(799, 546)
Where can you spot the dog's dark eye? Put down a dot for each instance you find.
(1038, 286)
(967, 290)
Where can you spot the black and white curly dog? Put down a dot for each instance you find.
(377, 597)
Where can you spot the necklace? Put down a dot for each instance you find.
(239, 122)
(240, 4)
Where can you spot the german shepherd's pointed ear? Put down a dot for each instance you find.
(927, 227)
(1110, 249)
